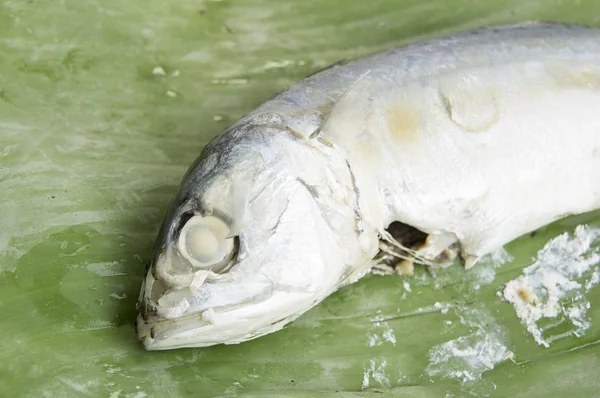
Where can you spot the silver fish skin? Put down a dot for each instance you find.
(474, 139)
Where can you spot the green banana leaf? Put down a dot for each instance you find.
(104, 104)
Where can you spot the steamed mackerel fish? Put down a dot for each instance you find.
(473, 139)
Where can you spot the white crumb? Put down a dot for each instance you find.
(553, 286)
(159, 71)
(444, 308)
(209, 316)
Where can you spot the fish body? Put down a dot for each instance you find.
(473, 139)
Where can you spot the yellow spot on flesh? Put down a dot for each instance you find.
(582, 76)
(404, 123)
(364, 148)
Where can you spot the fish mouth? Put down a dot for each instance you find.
(225, 325)
(232, 324)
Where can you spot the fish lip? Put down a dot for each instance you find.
(235, 323)
(143, 331)
(146, 333)
(228, 325)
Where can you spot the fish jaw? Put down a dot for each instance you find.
(225, 326)
(299, 243)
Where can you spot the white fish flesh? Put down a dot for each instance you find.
(472, 140)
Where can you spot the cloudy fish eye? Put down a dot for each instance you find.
(204, 242)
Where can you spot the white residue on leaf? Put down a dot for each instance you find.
(331, 368)
(594, 279)
(388, 335)
(78, 386)
(468, 357)
(485, 270)
(233, 388)
(108, 268)
(499, 257)
(229, 81)
(380, 332)
(111, 369)
(376, 372)
(374, 340)
(553, 286)
(198, 56)
(277, 64)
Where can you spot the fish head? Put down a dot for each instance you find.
(262, 229)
